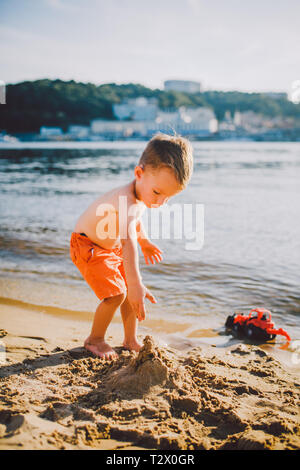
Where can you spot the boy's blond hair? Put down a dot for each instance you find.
(169, 151)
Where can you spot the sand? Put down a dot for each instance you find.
(55, 395)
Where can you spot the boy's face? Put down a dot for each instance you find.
(155, 186)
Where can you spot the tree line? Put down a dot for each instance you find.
(32, 104)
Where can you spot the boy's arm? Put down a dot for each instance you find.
(141, 232)
(152, 253)
(130, 252)
(136, 290)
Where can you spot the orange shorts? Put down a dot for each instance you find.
(102, 269)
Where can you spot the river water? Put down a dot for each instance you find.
(249, 193)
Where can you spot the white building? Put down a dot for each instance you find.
(229, 123)
(46, 131)
(199, 121)
(189, 121)
(184, 86)
(237, 118)
(202, 119)
(78, 132)
(118, 128)
(137, 109)
(251, 121)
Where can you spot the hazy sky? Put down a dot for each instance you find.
(243, 45)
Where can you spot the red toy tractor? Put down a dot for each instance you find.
(257, 325)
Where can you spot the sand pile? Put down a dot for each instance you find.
(208, 398)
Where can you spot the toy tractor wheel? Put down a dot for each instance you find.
(250, 331)
(237, 329)
(255, 333)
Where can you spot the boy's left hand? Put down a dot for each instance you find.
(151, 252)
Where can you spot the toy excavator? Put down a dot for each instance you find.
(257, 325)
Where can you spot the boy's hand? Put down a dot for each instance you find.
(151, 252)
(135, 296)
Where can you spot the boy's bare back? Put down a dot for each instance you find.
(104, 212)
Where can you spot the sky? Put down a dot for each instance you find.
(245, 45)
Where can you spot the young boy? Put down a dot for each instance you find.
(103, 245)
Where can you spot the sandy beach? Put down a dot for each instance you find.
(55, 395)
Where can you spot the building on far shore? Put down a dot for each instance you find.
(184, 86)
(46, 131)
(118, 129)
(199, 122)
(78, 132)
(255, 125)
(136, 109)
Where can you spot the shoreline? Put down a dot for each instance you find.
(179, 334)
(56, 395)
(110, 143)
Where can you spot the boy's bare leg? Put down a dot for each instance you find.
(130, 327)
(95, 343)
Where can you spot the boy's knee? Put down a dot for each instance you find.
(116, 299)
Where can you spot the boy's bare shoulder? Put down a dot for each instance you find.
(121, 198)
(112, 197)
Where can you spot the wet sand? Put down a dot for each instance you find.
(55, 395)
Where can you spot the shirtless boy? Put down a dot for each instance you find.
(104, 246)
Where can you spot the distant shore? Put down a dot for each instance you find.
(295, 137)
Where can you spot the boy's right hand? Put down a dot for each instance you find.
(136, 295)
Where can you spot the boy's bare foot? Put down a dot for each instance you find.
(100, 348)
(132, 345)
